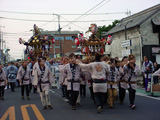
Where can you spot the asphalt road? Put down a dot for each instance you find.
(13, 108)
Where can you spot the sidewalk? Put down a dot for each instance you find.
(142, 90)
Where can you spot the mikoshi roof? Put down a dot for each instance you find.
(134, 20)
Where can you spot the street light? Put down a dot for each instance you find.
(125, 27)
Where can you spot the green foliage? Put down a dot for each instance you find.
(102, 29)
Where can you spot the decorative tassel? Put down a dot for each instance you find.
(91, 48)
(99, 47)
(95, 49)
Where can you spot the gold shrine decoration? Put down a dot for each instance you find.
(92, 45)
(38, 45)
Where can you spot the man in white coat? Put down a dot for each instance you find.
(131, 71)
(99, 73)
(43, 80)
(72, 72)
(24, 76)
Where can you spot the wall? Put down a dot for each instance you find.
(115, 48)
(66, 46)
(148, 37)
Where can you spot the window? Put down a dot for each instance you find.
(56, 46)
(69, 38)
(62, 38)
(74, 46)
(57, 38)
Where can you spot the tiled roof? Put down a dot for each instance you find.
(134, 20)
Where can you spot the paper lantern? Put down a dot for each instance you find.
(53, 40)
(77, 41)
(81, 37)
(109, 39)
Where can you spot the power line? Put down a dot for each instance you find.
(97, 8)
(61, 14)
(86, 12)
(101, 6)
(47, 22)
(74, 24)
(55, 21)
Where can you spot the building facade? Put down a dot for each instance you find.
(138, 34)
(66, 41)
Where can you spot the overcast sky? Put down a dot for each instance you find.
(23, 28)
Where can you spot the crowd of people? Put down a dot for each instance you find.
(107, 79)
(103, 75)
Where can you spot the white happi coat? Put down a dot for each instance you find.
(127, 72)
(116, 78)
(3, 78)
(122, 78)
(27, 78)
(30, 65)
(88, 78)
(47, 77)
(68, 75)
(62, 78)
(36, 65)
(99, 70)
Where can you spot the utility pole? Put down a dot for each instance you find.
(1, 44)
(2, 48)
(59, 33)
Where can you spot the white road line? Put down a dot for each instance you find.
(145, 95)
(59, 96)
(137, 93)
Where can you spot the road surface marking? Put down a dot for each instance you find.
(137, 93)
(59, 96)
(24, 112)
(11, 113)
(37, 112)
(35, 109)
(144, 95)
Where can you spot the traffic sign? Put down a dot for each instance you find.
(126, 52)
(126, 43)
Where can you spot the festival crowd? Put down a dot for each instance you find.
(107, 78)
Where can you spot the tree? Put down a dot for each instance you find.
(102, 29)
